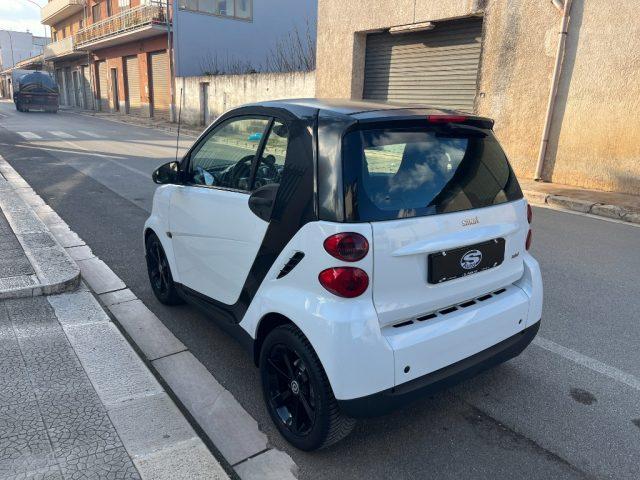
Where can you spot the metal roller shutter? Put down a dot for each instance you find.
(437, 67)
(132, 75)
(86, 87)
(103, 86)
(160, 84)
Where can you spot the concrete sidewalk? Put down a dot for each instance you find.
(76, 401)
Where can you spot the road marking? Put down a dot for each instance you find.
(90, 134)
(587, 215)
(29, 135)
(111, 159)
(588, 362)
(62, 134)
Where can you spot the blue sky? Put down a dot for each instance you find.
(21, 15)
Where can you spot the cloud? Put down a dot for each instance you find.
(20, 16)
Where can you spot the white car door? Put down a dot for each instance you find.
(215, 235)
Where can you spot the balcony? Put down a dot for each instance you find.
(57, 10)
(133, 24)
(62, 49)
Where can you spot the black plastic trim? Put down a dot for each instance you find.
(388, 400)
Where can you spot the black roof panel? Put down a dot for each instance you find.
(359, 108)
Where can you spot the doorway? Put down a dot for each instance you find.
(115, 105)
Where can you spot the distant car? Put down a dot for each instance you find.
(366, 254)
(36, 91)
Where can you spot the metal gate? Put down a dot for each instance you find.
(438, 67)
(69, 93)
(103, 86)
(132, 79)
(160, 84)
(86, 87)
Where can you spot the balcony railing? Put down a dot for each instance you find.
(62, 48)
(130, 20)
(57, 10)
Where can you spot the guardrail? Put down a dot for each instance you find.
(128, 20)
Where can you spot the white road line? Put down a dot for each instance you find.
(62, 134)
(111, 159)
(90, 134)
(588, 362)
(29, 135)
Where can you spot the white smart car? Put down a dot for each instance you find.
(366, 254)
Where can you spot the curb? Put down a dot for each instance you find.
(614, 212)
(30, 218)
(216, 414)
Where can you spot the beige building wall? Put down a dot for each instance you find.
(595, 136)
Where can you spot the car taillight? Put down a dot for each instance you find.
(527, 243)
(529, 213)
(446, 118)
(348, 247)
(347, 282)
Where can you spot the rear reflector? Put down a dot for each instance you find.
(347, 282)
(527, 244)
(446, 118)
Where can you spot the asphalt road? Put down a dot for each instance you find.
(568, 407)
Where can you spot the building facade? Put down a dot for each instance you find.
(496, 58)
(123, 55)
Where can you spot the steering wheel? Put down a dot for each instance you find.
(242, 169)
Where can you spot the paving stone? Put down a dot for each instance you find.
(51, 472)
(535, 198)
(78, 426)
(188, 460)
(270, 465)
(76, 308)
(14, 266)
(54, 266)
(99, 276)
(50, 218)
(80, 253)
(632, 217)
(149, 424)
(37, 240)
(234, 432)
(147, 331)
(23, 283)
(113, 464)
(66, 237)
(119, 296)
(11, 247)
(15, 385)
(27, 451)
(14, 419)
(610, 211)
(114, 369)
(570, 203)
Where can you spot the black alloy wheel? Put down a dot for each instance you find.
(160, 272)
(297, 392)
(291, 394)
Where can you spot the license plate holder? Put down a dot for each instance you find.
(463, 261)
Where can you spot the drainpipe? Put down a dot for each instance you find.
(565, 7)
(171, 53)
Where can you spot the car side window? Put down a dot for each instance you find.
(271, 164)
(224, 158)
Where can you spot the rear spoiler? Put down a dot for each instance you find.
(429, 118)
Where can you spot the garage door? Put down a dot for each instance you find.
(160, 84)
(132, 76)
(437, 67)
(103, 86)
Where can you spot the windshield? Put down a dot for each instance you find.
(407, 172)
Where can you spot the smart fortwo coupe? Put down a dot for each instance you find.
(366, 254)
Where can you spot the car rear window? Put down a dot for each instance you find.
(404, 172)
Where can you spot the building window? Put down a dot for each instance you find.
(108, 8)
(124, 4)
(241, 9)
(95, 13)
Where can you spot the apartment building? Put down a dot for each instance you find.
(123, 55)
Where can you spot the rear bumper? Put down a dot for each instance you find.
(388, 400)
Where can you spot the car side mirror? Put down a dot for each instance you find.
(167, 173)
(261, 201)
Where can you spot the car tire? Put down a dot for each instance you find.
(160, 273)
(287, 356)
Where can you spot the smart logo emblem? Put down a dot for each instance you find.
(471, 259)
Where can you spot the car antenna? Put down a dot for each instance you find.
(179, 121)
